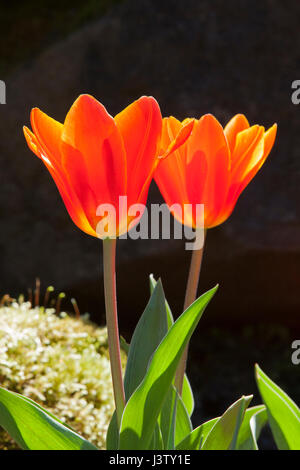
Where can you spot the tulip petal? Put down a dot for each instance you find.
(93, 156)
(31, 141)
(208, 167)
(251, 165)
(69, 197)
(269, 139)
(181, 137)
(237, 124)
(140, 127)
(48, 133)
(263, 149)
(170, 175)
(248, 151)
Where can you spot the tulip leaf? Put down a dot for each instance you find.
(283, 413)
(225, 428)
(112, 435)
(170, 318)
(224, 433)
(254, 420)
(174, 419)
(145, 404)
(150, 330)
(194, 439)
(34, 428)
(187, 393)
(157, 439)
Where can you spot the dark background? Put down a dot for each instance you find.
(194, 57)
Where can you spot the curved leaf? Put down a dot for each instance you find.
(33, 428)
(254, 420)
(187, 393)
(224, 433)
(150, 330)
(112, 435)
(174, 419)
(283, 413)
(193, 440)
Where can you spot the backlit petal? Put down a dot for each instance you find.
(48, 133)
(93, 156)
(68, 195)
(183, 134)
(140, 127)
(248, 166)
(208, 165)
(170, 174)
(237, 124)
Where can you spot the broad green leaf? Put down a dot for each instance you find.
(257, 422)
(283, 413)
(193, 440)
(254, 420)
(187, 393)
(150, 330)
(167, 418)
(183, 422)
(43, 409)
(224, 433)
(198, 435)
(33, 428)
(143, 408)
(157, 439)
(174, 419)
(112, 435)
(170, 318)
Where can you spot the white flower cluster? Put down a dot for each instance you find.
(61, 363)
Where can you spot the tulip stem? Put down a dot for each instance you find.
(109, 269)
(190, 297)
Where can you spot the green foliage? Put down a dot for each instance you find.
(174, 419)
(150, 330)
(224, 433)
(254, 420)
(283, 413)
(187, 393)
(145, 404)
(155, 416)
(34, 428)
(195, 438)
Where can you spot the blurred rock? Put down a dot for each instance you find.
(194, 57)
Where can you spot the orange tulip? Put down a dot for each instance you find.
(95, 158)
(213, 166)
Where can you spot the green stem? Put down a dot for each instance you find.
(109, 269)
(190, 297)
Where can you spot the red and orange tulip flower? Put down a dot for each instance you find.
(95, 158)
(213, 167)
